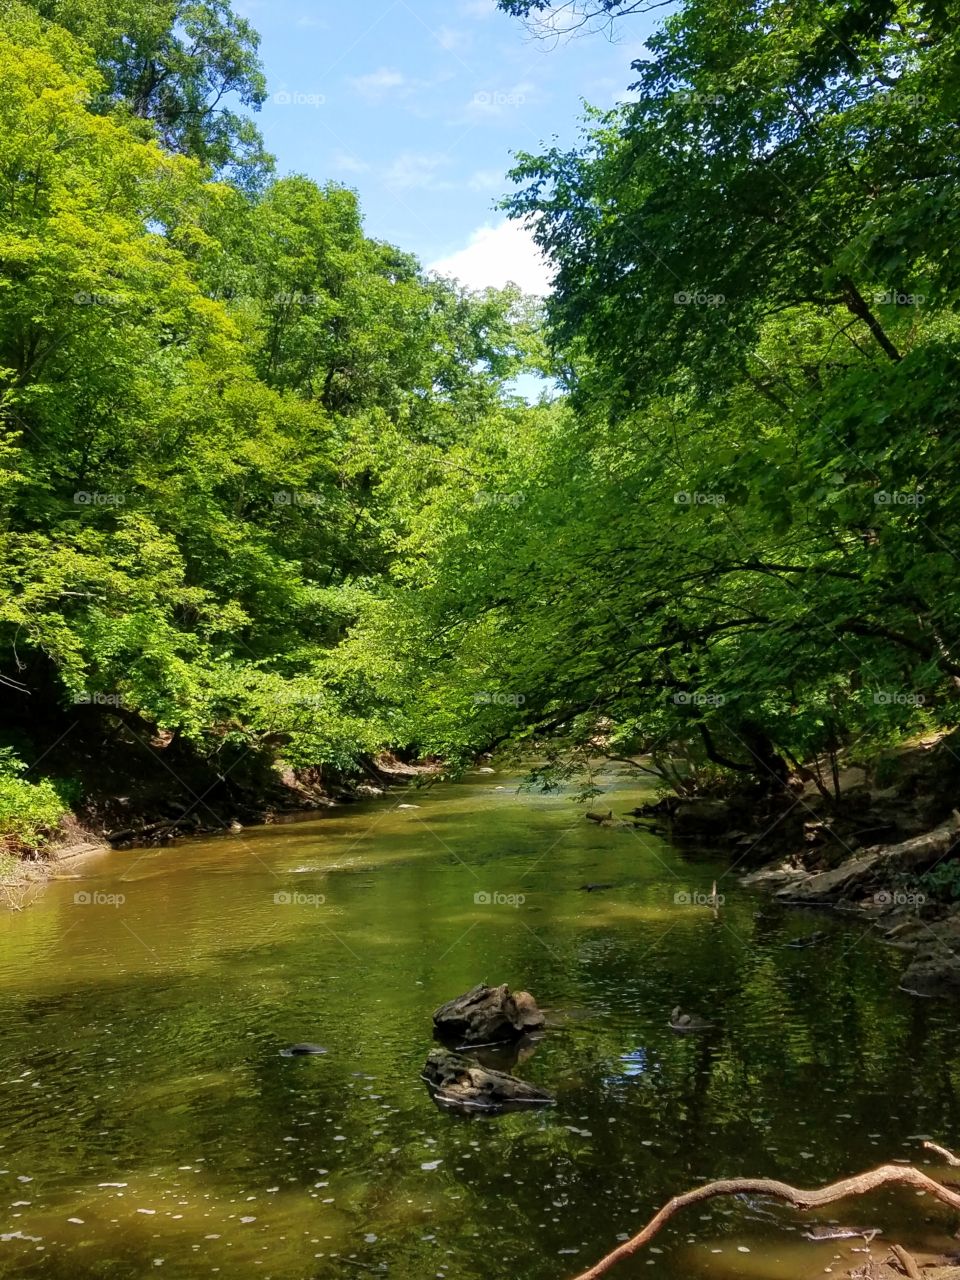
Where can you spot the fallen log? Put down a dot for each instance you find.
(859, 1185)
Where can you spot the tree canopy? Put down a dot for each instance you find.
(264, 481)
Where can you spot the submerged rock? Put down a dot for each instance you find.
(682, 1022)
(460, 1082)
(486, 1015)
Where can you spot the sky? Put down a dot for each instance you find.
(418, 105)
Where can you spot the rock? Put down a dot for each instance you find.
(488, 1014)
(460, 1082)
(933, 972)
(827, 886)
(686, 1022)
(695, 817)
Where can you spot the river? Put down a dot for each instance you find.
(149, 1124)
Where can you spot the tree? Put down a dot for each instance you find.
(178, 64)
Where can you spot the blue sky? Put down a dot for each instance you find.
(418, 104)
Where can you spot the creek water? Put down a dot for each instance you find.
(149, 1123)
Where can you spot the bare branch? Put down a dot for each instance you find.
(861, 1184)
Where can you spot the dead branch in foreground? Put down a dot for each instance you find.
(860, 1185)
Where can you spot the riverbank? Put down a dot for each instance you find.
(879, 842)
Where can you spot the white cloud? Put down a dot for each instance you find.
(497, 102)
(346, 162)
(450, 39)
(376, 84)
(487, 180)
(416, 169)
(497, 256)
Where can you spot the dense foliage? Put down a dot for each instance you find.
(740, 538)
(263, 481)
(217, 405)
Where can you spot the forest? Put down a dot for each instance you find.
(267, 492)
(283, 528)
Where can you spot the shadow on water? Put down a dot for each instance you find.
(147, 1112)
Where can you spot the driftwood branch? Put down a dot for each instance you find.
(860, 1185)
(950, 1158)
(907, 1261)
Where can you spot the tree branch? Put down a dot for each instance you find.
(861, 1184)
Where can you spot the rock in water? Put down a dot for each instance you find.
(488, 1014)
(460, 1082)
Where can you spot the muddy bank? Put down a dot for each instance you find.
(882, 842)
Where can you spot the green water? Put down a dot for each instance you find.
(149, 1124)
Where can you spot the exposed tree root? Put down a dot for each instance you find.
(907, 1261)
(860, 1185)
(950, 1158)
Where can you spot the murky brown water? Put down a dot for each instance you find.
(149, 1124)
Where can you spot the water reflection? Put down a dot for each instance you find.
(147, 1112)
